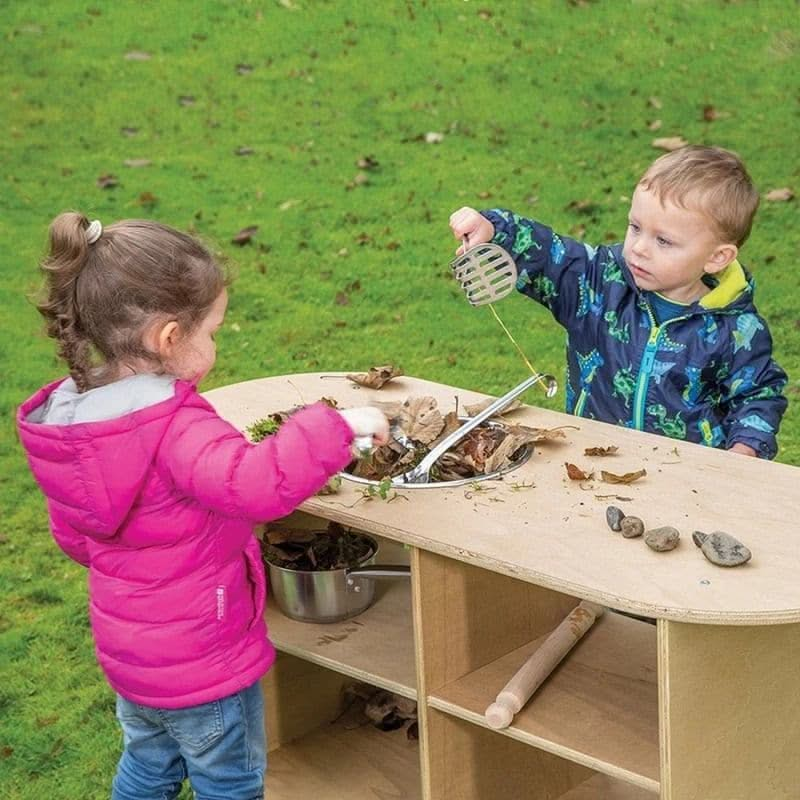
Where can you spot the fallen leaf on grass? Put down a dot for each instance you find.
(135, 163)
(628, 477)
(245, 235)
(107, 181)
(577, 474)
(377, 377)
(779, 195)
(601, 451)
(670, 143)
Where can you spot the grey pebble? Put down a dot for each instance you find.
(614, 517)
(632, 527)
(662, 539)
(722, 549)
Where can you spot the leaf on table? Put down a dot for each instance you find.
(601, 451)
(575, 473)
(377, 377)
(670, 143)
(628, 477)
(540, 434)
(475, 408)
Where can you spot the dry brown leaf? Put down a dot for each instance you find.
(654, 125)
(577, 474)
(475, 408)
(670, 143)
(377, 377)
(280, 535)
(601, 451)
(540, 434)
(510, 444)
(654, 102)
(779, 195)
(421, 419)
(628, 477)
(245, 235)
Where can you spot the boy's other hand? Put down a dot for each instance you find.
(468, 222)
(744, 449)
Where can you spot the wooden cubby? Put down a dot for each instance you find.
(598, 709)
(701, 705)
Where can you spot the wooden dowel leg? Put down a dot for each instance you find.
(530, 676)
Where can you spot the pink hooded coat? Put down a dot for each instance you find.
(160, 504)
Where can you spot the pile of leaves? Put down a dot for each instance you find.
(386, 710)
(314, 550)
(418, 426)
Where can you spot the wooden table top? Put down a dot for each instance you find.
(555, 533)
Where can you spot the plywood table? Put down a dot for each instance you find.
(702, 705)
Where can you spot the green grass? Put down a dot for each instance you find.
(538, 109)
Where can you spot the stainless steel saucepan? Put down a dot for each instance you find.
(330, 595)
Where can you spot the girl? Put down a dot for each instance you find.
(152, 491)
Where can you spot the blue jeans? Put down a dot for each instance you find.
(220, 747)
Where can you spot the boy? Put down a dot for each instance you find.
(662, 333)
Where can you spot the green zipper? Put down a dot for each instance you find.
(643, 378)
(646, 367)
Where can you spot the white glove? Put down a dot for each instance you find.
(369, 425)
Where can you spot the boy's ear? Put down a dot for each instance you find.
(723, 255)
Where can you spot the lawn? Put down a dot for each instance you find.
(347, 132)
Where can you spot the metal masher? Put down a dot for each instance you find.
(487, 273)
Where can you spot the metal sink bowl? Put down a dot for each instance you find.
(520, 457)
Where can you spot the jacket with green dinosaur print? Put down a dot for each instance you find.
(707, 376)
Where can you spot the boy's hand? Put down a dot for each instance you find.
(744, 449)
(468, 222)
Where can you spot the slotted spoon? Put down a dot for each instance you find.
(487, 273)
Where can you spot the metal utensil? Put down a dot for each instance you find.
(487, 273)
(421, 473)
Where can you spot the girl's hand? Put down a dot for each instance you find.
(368, 422)
(468, 222)
(744, 449)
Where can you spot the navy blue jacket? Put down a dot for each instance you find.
(707, 376)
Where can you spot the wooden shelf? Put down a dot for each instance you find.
(601, 787)
(599, 708)
(333, 763)
(376, 646)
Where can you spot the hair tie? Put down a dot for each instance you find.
(94, 231)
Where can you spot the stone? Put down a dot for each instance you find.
(662, 539)
(632, 527)
(614, 517)
(721, 548)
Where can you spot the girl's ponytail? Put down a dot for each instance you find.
(68, 254)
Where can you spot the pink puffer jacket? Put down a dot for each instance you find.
(160, 505)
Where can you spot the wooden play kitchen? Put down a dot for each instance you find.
(702, 705)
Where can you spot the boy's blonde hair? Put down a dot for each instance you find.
(101, 295)
(711, 180)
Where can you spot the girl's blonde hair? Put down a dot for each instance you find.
(711, 180)
(100, 298)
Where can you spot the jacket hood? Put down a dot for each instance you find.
(91, 452)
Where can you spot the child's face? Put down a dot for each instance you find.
(669, 248)
(195, 355)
